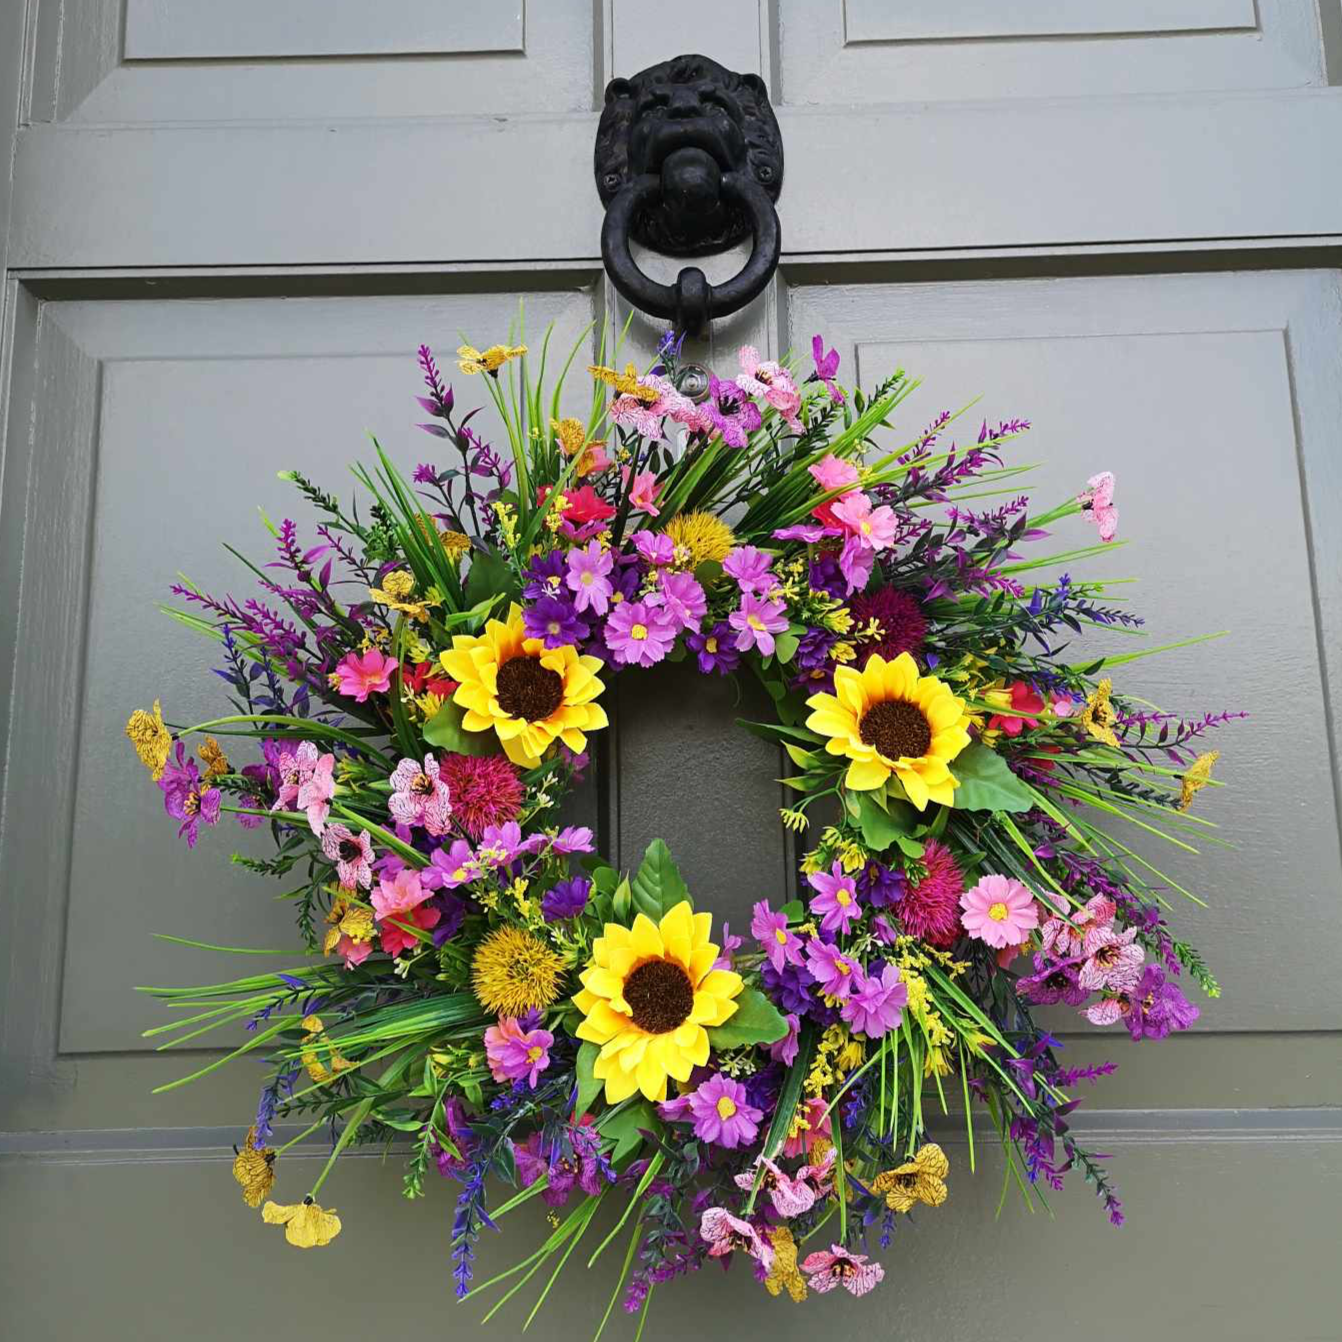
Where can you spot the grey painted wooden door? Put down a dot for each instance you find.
(224, 228)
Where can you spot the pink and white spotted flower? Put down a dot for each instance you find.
(352, 853)
(316, 791)
(791, 1194)
(1097, 501)
(1064, 934)
(1113, 960)
(838, 1267)
(725, 1233)
(419, 796)
(295, 768)
(770, 382)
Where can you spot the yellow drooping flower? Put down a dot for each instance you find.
(472, 360)
(530, 695)
(254, 1169)
(890, 721)
(574, 442)
(151, 739)
(315, 1039)
(703, 536)
(1196, 777)
(783, 1274)
(514, 972)
(396, 590)
(213, 758)
(922, 1179)
(624, 384)
(352, 921)
(306, 1225)
(1099, 717)
(455, 543)
(650, 995)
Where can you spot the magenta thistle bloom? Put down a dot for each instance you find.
(352, 854)
(485, 790)
(515, 1054)
(715, 649)
(640, 634)
(930, 908)
(360, 676)
(878, 1004)
(790, 1196)
(588, 577)
(184, 799)
(756, 623)
(314, 796)
(837, 902)
(682, 597)
(1113, 960)
(750, 567)
(771, 930)
(725, 1233)
(826, 368)
(835, 973)
(838, 1267)
(722, 1113)
(901, 625)
(999, 911)
(419, 796)
(734, 414)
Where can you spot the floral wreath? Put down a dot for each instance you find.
(424, 678)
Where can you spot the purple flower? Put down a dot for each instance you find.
(836, 974)
(826, 368)
(573, 839)
(682, 596)
(784, 1050)
(879, 885)
(836, 902)
(878, 1004)
(826, 575)
(515, 1053)
(426, 473)
(450, 867)
(855, 563)
(722, 1113)
(788, 988)
(771, 930)
(750, 567)
(565, 900)
(1054, 981)
(733, 413)
(1158, 1007)
(184, 799)
(756, 623)
(640, 634)
(655, 546)
(589, 577)
(715, 649)
(555, 622)
(545, 575)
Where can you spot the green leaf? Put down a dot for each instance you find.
(793, 911)
(444, 729)
(882, 828)
(785, 647)
(622, 903)
(489, 575)
(755, 1021)
(623, 1128)
(708, 572)
(986, 783)
(588, 1086)
(657, 885)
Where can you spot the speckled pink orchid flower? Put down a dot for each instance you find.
(725, 1233)
(1098, 502)
(838, 1267)
(352, 853)
(772, 383)
(316, 791)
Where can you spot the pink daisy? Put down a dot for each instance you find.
(1113, 960)
(837, 903)
(358, 677)
(750, 567)
(756, 623)
(930, 909)
(999, 911)
(419, 796)
(314, 796)
(681, 595)
(588, 577)
(405, 891)
(514, 1053)
(352, 854)
(725, 1233)
(485, 790)
(838, 1267)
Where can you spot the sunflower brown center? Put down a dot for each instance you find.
(528, 690)
(896, 728)
(660, 995)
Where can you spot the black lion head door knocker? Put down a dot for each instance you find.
(689, 160)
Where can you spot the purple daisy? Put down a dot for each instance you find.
(639, 634)
(545, 575)
(555, 622)
(588, 577)
(715, 649)
(878, 1004)
(756, 623)
(722, 1113)
(682, 596)
(836, 973)
(836, 903)
(770, 929)
(751, 569)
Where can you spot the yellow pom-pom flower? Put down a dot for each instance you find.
(514, 972)
(530, 695)
(650, 995)
(702, 535)
(890, 721)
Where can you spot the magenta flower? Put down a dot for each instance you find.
(573, 839)
(771, 930)
(681, 595)
(184, 799)
(1098, 502)
(725, 1233)
(419, 796)
(751, 570)
(588, 577)
(1158, 1007)
(722, 1113)
(756, 623)
(856, 560)
(640, 634)
(772, 383)
(451, 867)
(838, 1267)
(655, 546)
(784, 1050)
(352, 854)
(515, 1054)
(826, 368)
(643, 491)
(837, 902)
(873, 528)
(360, 676)
(733, 413)
(314, 796)
(878, 1004)
(790, 1196)
(1053, 981)
(1113, 960)
(836, 974)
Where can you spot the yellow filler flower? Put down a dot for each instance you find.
(650, 995)
(888, 720)
(529, 694)
(151, 739)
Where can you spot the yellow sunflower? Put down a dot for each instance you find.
(887, 719)
(650, 994)
(529, 694)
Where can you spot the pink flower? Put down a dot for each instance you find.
(353, 855)
(1109, 1010)
(681, 595)
(756, 623)
(873, 528)
(814, 1114)
(722, 1113)
(826, 367)
(790, 1196)
(838, 1267)
(1026, 705)
(395, 934)
(419, 796)
(1113, 961)
(405, 891)
(588, 577)
(655, 546)
(772, 382)
(999, 911)
(878, 1004)
(295, 768)
(784, 1050)
(314, 796)
(1064, 934)
(1098, 501)
(514, 1053)
(856, 560)
(451, 867)
(751, 570)
(835, 972)
(832, 473)
(771, 930)
(726, 1233)
(639, 633)
(837, 901)
(361, 676)
(355, 952)
(643, 492)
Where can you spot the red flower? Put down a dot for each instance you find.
(581, 505)
(1027, 703)
(418, 679)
